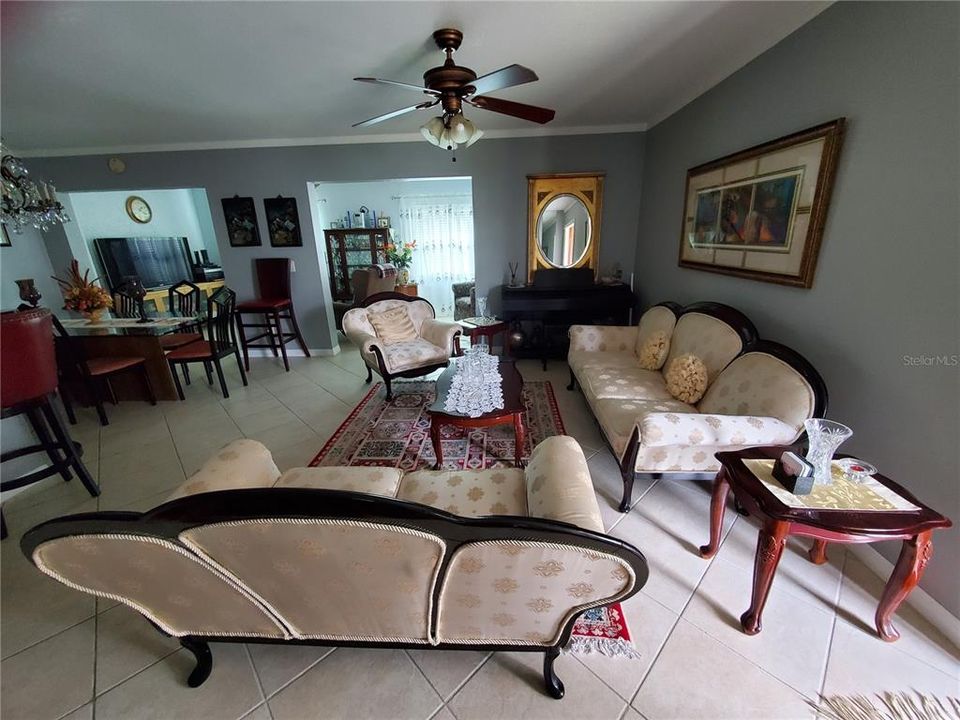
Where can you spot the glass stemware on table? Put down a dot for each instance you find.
(477, 386)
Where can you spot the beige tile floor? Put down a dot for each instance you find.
(66, 655)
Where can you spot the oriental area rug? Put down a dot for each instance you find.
(397, 434)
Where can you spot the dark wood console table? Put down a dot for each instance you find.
(558, 299)
(914, 527)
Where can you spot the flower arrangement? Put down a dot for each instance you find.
(81, 294)
(401, 256)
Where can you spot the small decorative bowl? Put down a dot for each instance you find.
(856, 470)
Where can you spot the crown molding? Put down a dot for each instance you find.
(342, 140)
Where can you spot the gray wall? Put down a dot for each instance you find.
(498, 168)
(887, 279)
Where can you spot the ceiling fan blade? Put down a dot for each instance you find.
(503, 78)
(395, 113)
(420, 88)
(507, 107)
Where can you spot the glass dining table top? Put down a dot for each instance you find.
(157, 324)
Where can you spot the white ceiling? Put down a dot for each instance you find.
(101, 76)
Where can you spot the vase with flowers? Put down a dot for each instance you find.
(401, 256)
(83, 295)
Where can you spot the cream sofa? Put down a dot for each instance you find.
(758, 392)
(359, 556)
(435, 344)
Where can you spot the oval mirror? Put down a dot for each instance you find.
(564, 231)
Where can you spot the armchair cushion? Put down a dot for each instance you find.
(392, 325)
(559, 486)
(694, 429)
(412, 354)
(471, 493)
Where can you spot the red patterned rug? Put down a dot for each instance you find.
(397, 434)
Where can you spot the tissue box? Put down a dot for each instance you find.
(794, 473)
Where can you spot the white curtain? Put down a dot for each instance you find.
(442, 226)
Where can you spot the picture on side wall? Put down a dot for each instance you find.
(240, 215)
(283, 221)
(5, 240)
(759, 213)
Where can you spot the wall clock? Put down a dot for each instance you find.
(138, 210)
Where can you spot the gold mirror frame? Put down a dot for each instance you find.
(541, 189)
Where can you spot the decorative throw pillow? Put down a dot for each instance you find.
(686, 378)
(653, 352)
(393, 325)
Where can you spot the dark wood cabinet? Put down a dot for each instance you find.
(352, 249)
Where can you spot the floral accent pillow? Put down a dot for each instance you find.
(686, 378)
(654, 351)
(393, 325)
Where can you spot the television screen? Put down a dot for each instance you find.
(158, 261)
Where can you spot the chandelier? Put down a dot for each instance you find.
(450, 130)
(27, 202)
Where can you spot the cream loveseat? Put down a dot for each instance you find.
(360, 556)
(411, 342)
(758, 392)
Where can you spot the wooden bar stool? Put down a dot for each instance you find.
(273, 305)
(28, 386)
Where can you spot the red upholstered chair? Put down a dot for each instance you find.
(221, 342)
(273, 305)
(28, 386)
(97, 371)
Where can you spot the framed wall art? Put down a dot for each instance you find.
(240, 214)
(283, 221)
(759, 213)
(5, 237)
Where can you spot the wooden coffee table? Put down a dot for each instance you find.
(511, 412)
(914, 527)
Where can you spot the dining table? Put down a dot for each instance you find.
(122, 337)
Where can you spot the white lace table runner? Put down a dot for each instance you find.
(476, 387)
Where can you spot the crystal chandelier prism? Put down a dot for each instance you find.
(27, 202)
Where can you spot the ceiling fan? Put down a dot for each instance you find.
(451, 85)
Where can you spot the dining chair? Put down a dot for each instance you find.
(220, 343)
(94, 372)
(124, 304)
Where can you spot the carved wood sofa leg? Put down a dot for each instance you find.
(201, 651)
(628, 464)
(573, 381)
(386, 381)
(369, 374)
(553, 684)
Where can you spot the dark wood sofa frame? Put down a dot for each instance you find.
(747, 331)
(413, 372)
(167, 521)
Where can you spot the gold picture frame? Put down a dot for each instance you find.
(760, 213)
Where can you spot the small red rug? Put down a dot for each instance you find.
(397, 434)
(602, 630)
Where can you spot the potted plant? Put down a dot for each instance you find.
(402, 257)
(83, 295)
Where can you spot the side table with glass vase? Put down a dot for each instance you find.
(847, 504)
(484, 328)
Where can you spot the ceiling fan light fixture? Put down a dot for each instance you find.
(477, 134)
(433, 130)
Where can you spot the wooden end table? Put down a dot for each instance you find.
(487, 327)
(914, 527)
(511, 412)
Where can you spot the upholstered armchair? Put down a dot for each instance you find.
(464, 300)
(366, 282)
(399, 336)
